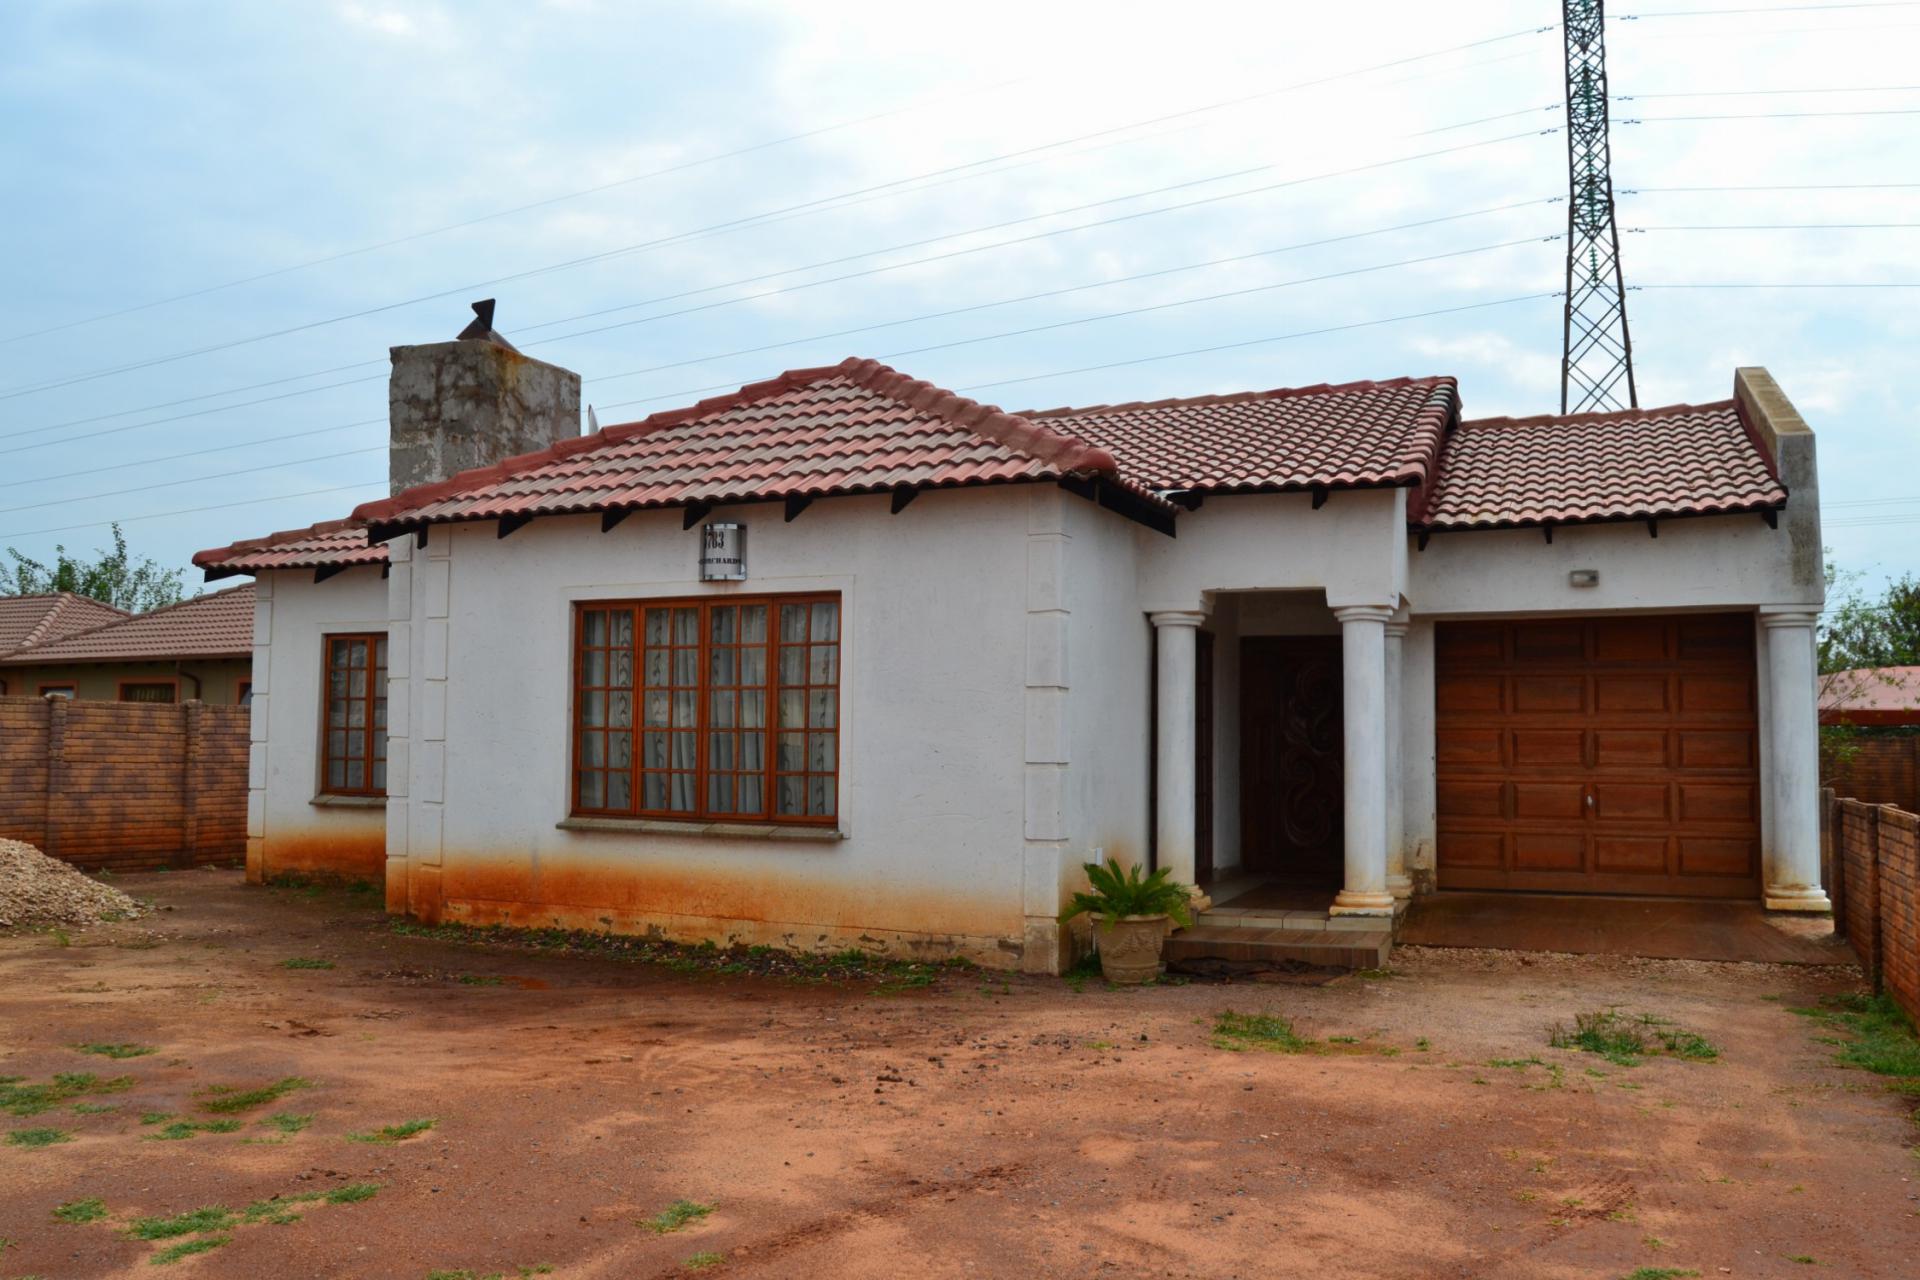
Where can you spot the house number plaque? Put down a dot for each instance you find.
(723, 552)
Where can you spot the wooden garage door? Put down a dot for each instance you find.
(1599, 756)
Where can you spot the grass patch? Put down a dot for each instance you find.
(224, 1099)
(210, 1217)
(1878, 1036)
(155, 1117)
(305, 962)
(286, 1122)
(92, 1209)
(481, 980)
(675, 1216)
(1239, 1032)
(187, 1248)
(94, 1108)
(464, 1273)
(32, 1099)
(352, 1193)
(38, 1137)
(1624, 1039)
(394, 1132)
(181, 1129)
(701, 1261)
(118, 1052)
(1659, 1273)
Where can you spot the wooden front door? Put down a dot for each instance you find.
(1591, 755)
(1291, 797)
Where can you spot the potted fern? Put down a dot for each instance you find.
(1131, 913)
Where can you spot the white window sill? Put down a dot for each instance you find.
(707, 830)
(326, 801)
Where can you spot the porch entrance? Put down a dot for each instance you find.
(1291, 798)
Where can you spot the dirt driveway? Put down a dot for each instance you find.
(983, 1126)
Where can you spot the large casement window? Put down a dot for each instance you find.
(355, 748)
(716, 709)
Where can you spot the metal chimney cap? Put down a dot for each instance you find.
(482, 327)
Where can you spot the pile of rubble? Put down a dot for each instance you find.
(36, 889)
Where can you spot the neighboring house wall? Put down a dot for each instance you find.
(291, 827)
(124, 787)
(935, 607)
(219, 680)
(1879, 769)
(1877, 861)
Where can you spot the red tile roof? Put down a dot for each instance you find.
(854, 427)
(337, 543)
(218, 625)
(1683, 460)
(26, 620)
(1873, 695)
(1356, 434)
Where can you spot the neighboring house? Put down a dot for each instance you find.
(198, 649)
(843, 658)
(30, 620)
(1879, 697)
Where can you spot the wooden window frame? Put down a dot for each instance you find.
(704, 647)
(376, 693)
(172, 682)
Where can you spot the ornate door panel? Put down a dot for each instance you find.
(1290, 758)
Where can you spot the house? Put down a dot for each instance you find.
(31, 619)
(197, 649)
(1877, 697)
(843, 658)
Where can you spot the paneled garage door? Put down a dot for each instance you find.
(1586, 755)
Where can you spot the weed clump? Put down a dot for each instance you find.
(388, 1134)
(92, 1209)
(675, 1216)
(32, 1099)
(224, 1099)
(38, 1137)
(117, 1052)
(1239, 1032)
(305, 962)
(1881, 1039)
(1624, 1040)
(187, 1248)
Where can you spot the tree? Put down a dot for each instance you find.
(111, 578)
(1864, 632)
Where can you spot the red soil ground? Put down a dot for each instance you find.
(986, 1126)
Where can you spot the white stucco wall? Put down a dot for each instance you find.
(934, 609)
(286, 831)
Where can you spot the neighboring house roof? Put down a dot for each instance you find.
(1354, 435)
(26, 620)
(1683, 460)
(336, 544)
(218, 625)
(1871, 695)
(854, 427)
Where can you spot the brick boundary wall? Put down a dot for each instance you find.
(125, 786)
(1877, 863)
(1879, 770)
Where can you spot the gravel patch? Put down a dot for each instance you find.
(36, 889)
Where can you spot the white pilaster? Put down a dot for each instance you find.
(1363, 660)
(1174, 650)
(1399, 883)
(1791, 859)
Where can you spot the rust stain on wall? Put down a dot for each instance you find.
(350, 854)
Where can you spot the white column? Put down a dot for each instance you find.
(1399, 883)
(1174, 647)
(1363, 661)
(1791, 862)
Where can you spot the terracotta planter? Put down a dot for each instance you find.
(1130, 948)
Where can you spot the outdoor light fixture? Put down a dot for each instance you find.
(1584, 578)
(723, 552)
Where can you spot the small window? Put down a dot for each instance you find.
(149, 691)
(56, 691)
(722, 709)
(355, 740)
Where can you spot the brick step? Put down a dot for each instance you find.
(1332, 948)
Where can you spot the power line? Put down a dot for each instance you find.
(1755, 93)
(1786, 284)
(497, 214)
(1774, 8)
(194, 511)
(1774, 115)
(194, 453)
(990, 337)
(881, 270)
(753, 219)
(218, 475)
(1778, 226)
(1786, 186)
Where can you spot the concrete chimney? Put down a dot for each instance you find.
(472, 402)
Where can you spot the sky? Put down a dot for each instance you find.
(219, 217)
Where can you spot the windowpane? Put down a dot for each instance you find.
(354, 747)
(704, 680)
